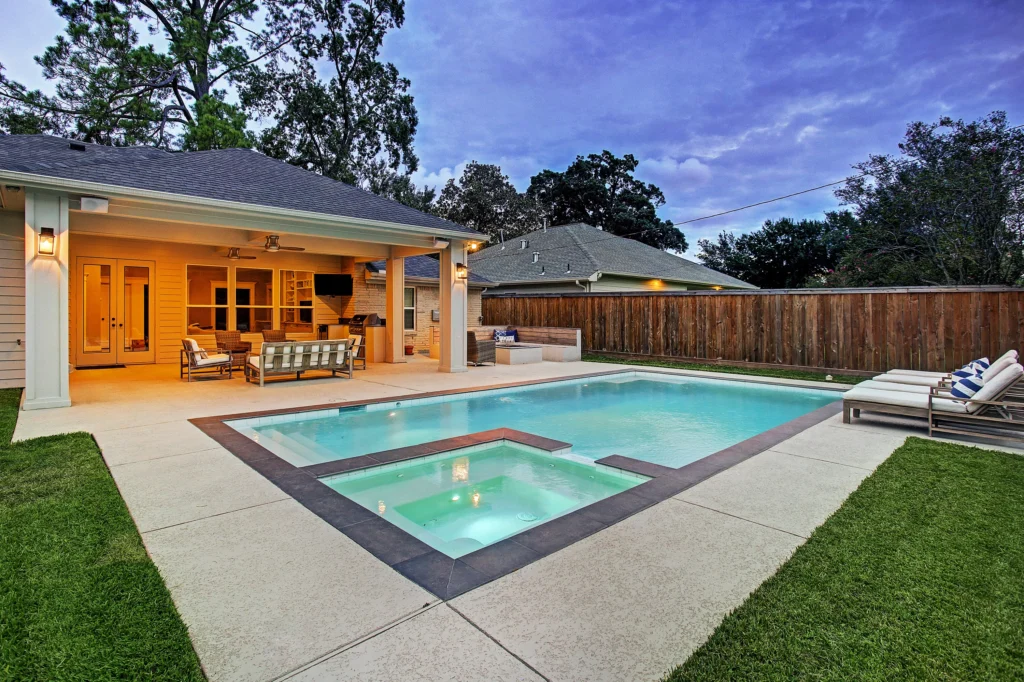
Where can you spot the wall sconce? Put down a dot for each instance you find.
(473, 246)
(47, 244)
(461, 271)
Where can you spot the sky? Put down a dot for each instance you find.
(723, 103)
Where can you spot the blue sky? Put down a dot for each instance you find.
(724, 103)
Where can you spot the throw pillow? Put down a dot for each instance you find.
(966, 388)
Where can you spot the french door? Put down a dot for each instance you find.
(116, 304)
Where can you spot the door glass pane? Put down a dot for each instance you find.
(96, 300)
(136, 309)
(297, 301)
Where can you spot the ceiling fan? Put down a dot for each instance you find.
(234, 255)
(274, 244)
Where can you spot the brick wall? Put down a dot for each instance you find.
(369, 297)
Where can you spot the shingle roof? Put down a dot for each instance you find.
(238, 175)
(424, 267)
(577, 251)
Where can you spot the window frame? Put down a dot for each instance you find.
(235, 307)
(228, 279)
(406, 309)
(282, 307)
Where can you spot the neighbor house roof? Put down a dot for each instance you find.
(580, 251)
(422, 267)
(236, 175)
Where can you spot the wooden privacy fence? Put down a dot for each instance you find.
(843, 330)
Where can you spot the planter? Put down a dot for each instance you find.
(409, 349)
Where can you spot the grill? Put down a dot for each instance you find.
(357, 324)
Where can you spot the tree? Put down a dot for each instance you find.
(600, 190)
(342, 125)
(782, 254)
(947, 211)
(484, 200)
(113, 89)
(383, 181)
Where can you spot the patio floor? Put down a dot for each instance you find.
(269, 591)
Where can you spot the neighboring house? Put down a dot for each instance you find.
(421, 300)
(110, 256)
(580, 258)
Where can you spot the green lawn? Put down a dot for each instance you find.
(919, 576)
(727, 369)
(79, 597)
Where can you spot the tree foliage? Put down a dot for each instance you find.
(948, 211)
(782, 254)
(383, 181)
(360, 114)
(485, 200)
(599, 189)
(112, 88)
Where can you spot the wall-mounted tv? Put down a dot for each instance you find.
(332, 285)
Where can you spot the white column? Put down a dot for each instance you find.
(394, 309)
(454, 305)
(46, 304)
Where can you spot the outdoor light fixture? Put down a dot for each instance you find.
(461, 271)
(47, 241)
(473, 246)
(441, 243)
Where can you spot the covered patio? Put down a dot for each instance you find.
(126, 252)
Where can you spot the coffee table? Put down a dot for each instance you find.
(518, 354)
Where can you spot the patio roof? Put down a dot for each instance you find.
(238, 176)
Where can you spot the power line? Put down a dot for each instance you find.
(767, 201)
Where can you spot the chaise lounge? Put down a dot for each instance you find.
(995, 411)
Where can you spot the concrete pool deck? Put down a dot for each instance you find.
(270, 591)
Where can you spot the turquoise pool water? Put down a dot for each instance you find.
(652, 417)
(460, 502)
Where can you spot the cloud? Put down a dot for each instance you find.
(679, 174)
(438, 178)
(807, 132)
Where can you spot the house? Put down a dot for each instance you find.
(110, 256)
(580, 258)
(421, 298)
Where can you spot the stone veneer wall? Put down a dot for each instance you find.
(368, 297)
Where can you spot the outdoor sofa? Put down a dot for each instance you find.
(297, 357)
(558, 344)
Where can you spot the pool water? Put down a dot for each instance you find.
(459, 502)
(652, 417)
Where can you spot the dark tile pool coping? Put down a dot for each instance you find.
(438, 573)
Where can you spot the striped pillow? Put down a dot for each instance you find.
(979, 365)
(966, 388)
(965, 373)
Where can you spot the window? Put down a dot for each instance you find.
(254, 299)
(297, 301)
(410, 308)
(206, 299)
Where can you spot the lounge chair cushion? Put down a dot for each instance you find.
(918, 373)
(910, 379)
(997, 367)
(890, 386)
(997, 385)
(967, 386)
(213, 359)
(200, 353)
(904, 399)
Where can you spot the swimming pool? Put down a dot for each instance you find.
(461, 501)
(660, 418)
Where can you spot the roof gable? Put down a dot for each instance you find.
(578, 251)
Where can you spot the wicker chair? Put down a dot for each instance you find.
(274, 335)
(231, 343)
(479, 351)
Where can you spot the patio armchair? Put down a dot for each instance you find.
(195, 360)
(276, 335)
(355, 346)
(479, 351)
(231, 343)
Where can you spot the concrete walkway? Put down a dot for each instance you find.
(269, 591)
